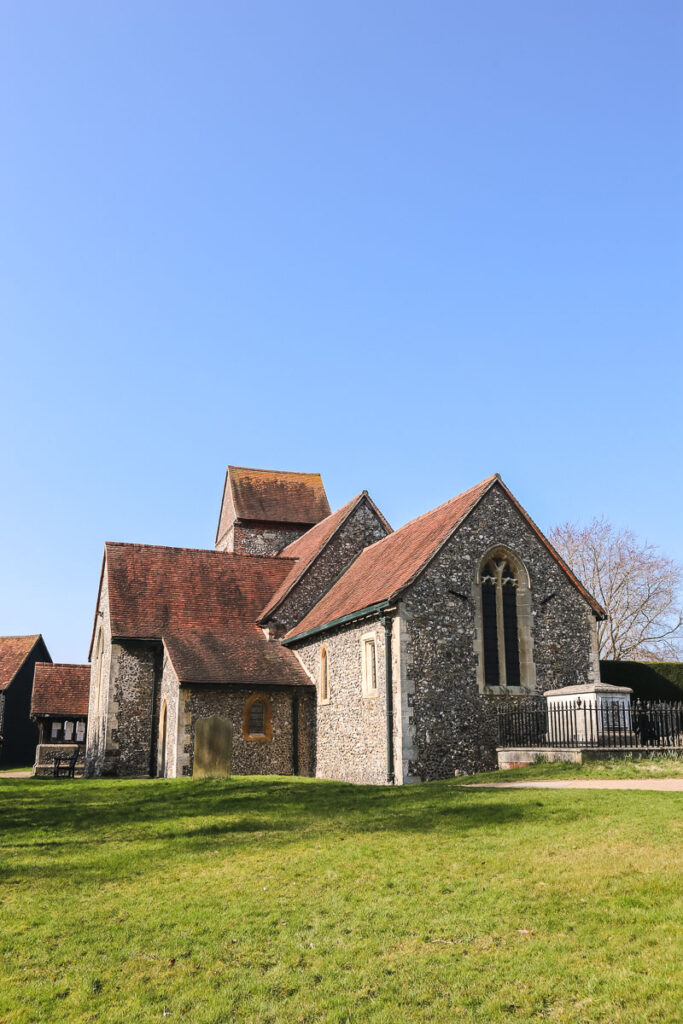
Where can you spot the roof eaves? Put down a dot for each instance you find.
(342, 620)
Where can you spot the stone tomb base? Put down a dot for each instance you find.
(521, 757)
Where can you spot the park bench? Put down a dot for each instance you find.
(65, 766)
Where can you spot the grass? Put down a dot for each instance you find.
(280, 900)
(656, 767)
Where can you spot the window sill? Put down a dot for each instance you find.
(505, 689)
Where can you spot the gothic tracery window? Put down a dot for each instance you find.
(499, 586)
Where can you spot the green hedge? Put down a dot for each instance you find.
(649, 680)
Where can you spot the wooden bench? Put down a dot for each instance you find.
(66, 766)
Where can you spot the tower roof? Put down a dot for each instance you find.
(272, 496)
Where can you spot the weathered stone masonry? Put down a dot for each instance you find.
(259, 538)
(363, 527)
(251, 757)
(351, 727)
(453, 726)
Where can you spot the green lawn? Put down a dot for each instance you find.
(657, 767)
(280, 900)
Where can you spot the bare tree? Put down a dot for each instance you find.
(638, 587)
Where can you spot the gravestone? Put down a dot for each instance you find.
(212, 748)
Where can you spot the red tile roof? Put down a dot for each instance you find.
(309, 546)
(241, 655)
(14, 650)
(60, 689)
(272, 496)
(385, 569)
(203, 605)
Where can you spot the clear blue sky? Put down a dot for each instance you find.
(405, 244)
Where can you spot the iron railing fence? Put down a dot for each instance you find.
(535, 723)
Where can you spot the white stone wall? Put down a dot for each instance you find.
(169, 692)
(101, 711)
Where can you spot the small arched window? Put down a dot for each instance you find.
(257, 718)
(256, 723)
(324, 675)
(501, 582)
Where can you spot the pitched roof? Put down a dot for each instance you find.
(272, 496)
(14, 650)
(60, 689)
(241, 655)
(203, 605)
(310, 545)
(385, 569)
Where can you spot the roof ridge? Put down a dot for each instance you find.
(287, 472)
(20, 636)
(437, 508)
(64, 664)
(208, 551)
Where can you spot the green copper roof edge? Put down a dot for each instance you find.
(336, 622)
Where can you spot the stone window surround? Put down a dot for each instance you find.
(324, 676)
(369, 692)
(267, 719)
(527, 669)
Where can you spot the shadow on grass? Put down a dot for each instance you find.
(63, 822)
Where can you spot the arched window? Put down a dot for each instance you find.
(256, 723)
(505, 622)
(257, 718)
(324, 676)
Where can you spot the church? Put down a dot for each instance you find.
(337, 647)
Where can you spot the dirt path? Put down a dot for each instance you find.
(23, 773)
(664, 785)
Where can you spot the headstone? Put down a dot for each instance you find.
(212, 748)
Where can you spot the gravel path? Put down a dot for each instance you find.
(664, 785)
(25, 773)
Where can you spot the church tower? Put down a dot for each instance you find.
(265, 510)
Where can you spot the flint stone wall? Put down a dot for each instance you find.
(351, 728)
(362, 528)
(449, 725)
(250, 757)
(259, 538)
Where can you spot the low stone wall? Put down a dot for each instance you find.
(521, 757)
(46, 754)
